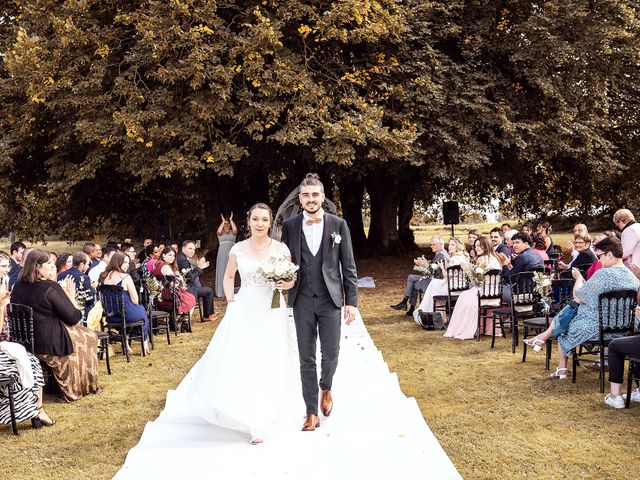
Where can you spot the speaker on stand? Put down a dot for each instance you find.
(451, 214)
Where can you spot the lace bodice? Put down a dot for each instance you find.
(248, 261)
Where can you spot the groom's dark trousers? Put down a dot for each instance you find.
(315, 313)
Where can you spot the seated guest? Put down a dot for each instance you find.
(578, 229)
(464, 318)
(584, 326)
(23, 366)
(630, 237)
(95, 253)
(505, 227)
(527, 228)
(538, 246)
(116, 273)
(152, 252)
(142, 256)
(457, 256)
(472, 236)
(166, 268)
(95, 272)
(597, 265)
(64, 262)
(416, 283)
(497, 241)
(129, 250)
(80, 265)
(526, 258)
(17, 257)
(585, 255)
(508, 240)
(619, 349)
(175, 247)
(192, 275)
(544, 229)
(68, 348)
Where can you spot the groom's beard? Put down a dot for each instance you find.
(311, 209)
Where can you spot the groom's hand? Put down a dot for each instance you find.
(350, 313)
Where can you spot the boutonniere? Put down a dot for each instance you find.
(336, 238)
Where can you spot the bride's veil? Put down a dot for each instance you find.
(290, 208)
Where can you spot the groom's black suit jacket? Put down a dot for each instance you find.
(342, 288)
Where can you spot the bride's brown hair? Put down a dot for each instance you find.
(262, 206)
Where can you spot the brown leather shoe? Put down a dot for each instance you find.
(310, 423)
(326, 403)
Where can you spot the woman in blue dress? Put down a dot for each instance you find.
(116, 274)
(585, 324)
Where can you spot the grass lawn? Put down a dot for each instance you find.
(495, 416)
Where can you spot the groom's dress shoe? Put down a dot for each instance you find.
(310, 423)
(326, 403)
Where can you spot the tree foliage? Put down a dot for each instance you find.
(114, 113)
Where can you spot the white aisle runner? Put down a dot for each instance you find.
(374, 432)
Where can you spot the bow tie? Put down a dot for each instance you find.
(311, 221)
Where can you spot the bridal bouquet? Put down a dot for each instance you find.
(427, 269)
(274, 269)
(543, 286)
(475, 273)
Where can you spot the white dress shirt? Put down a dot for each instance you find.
(95, 272)
(313, 232)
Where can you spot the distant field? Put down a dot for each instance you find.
(56, 246)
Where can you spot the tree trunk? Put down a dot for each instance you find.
(405, 214)
(351, 195)
(383, 230)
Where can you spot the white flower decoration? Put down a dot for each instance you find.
(337, 238)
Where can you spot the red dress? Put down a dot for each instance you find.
(185, 301)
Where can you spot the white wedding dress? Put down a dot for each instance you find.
(249, 377)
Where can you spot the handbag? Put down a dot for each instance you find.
(431, 320)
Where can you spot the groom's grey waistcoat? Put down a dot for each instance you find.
(311, 280)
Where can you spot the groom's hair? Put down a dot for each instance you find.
(312, 179)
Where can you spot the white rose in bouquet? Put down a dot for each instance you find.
(268, 268)
(280, 269)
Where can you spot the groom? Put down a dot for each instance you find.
(320, 244)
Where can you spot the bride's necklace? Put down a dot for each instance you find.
(259, 249)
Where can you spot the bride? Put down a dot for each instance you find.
(249, 377)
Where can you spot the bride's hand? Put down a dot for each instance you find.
(282, 285)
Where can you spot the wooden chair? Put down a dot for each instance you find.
(616, 315)
(20, 320)
(561, 294)
(489, 298)
(457, 283)
(522, 297)
(634, 374)
(7, 383)
(112, 298)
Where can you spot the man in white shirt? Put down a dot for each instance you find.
(95, 272)
(578, 229)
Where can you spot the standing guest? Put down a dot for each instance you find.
(227, 232)
(630, 238)
(585, 325)
(80, 278)
(416, 283)
(585, 256)
(526, 258)
(68, 348)
(192, 274)
(472, 236)
(539, 246)
(116, 273)
(497, 241)
(505, 227)
(17, 257)
(95, 272)
(527, 228)
(464, 318)
(64, 263)
(544, 229)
